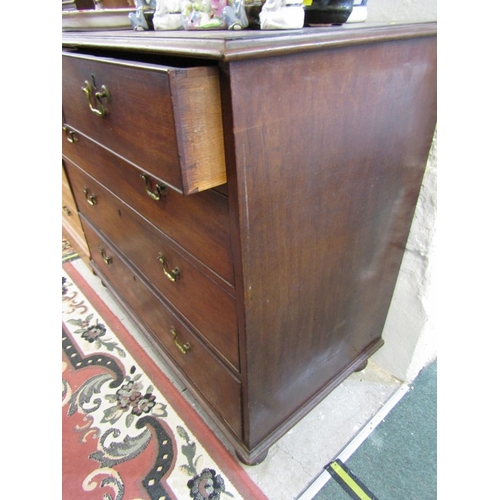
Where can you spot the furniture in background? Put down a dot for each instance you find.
(72, 228)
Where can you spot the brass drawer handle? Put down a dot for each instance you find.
(172, 275)
(184, 348)
(67, 210)
(156, 194)
(87, 88)
(107, 260)
(70, 134)
(90, 197)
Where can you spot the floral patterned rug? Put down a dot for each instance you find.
(128, 434)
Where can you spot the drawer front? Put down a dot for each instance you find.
(202, 368)
(199, 223)
(165, 120)
(209, 308)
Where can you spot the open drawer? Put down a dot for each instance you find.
(165, 120)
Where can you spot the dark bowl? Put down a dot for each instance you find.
(322, 12)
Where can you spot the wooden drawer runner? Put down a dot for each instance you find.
(165, 120)
(199, 223)
(200, 366)
(209, 308)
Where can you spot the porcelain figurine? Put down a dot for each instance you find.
(235, 15)
(168, 15)
(359, 12)
(203, 14)
(282, 15)
(143, 8)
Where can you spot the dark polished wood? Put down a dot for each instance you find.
(324, 205)
(196, 295)
(164, 102)
(197, 364)
(326, 134)
(234, 46)
(200, 224)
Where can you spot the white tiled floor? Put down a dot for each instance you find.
(298, 458)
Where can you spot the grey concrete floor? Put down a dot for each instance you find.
(298, 458)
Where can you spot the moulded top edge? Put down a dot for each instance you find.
(245, 44)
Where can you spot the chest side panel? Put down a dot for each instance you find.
(329, 157)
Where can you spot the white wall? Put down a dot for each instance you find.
(410, 330)
(414, 11)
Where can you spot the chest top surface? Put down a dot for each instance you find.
(239, 45)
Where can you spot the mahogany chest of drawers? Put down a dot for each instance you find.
(247, 197)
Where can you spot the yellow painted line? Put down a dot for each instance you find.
(349, 481)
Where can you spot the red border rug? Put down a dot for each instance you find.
(128, 434)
